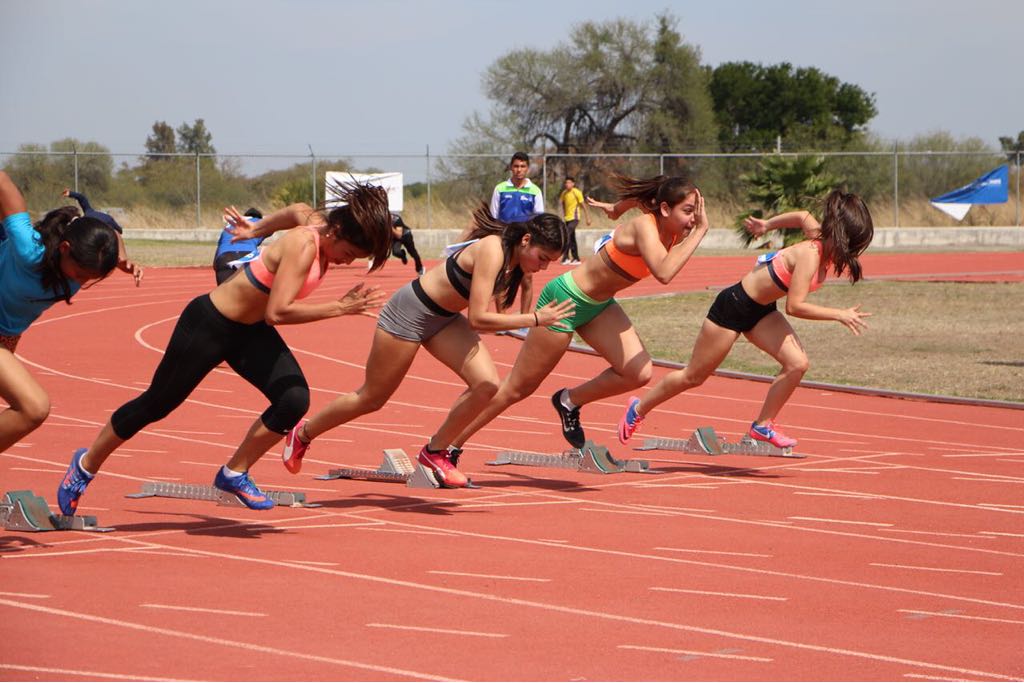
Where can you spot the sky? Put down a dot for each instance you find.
(394, 76)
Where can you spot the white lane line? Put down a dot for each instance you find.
(190, 432)
(1002, 505)
(35, 469)
(961, 616)
(24, 595)
(727, 595)
(488, 576)
(553, 540)
(202, 464)
(407, 531)
(651, 513)
(315, 564)
(92, 675)
(1010, 460)
(930, 533)
(207, 610)
(936, 569)
(842, 470)
(838, 521)
(432, 629)
(972, 455)
(934, 678)
(836, 495)
(711, 552)
(1001, 533)
(983, 480)
(694, 653)
(219, 391)
(139, 450)
(225, 642)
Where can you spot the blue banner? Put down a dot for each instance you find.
(991, 188)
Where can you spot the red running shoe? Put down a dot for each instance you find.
(770, 433)
(439, 463)
(293, 451)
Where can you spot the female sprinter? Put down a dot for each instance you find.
(40, 266)
(235, 323)
(748, 308)
(426, 312)
(659, 241)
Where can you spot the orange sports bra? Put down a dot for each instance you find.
(263, 279)
(628, 266)
(780, 273)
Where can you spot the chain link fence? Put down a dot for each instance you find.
(191, 190)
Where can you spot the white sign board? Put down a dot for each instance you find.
(391, 182)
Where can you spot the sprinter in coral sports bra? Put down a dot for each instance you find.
(235, 324)
(658, 242)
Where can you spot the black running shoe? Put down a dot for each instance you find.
(571, 429)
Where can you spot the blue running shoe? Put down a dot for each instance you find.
(72, 486)
(630, 421)
(245, 489)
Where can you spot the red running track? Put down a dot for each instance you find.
(892, 552)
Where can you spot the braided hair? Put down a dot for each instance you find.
(92, 245)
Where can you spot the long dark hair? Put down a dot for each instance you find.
(651, 192)
(546, 230)
(846, 231)
(93, 246)
(364, 220)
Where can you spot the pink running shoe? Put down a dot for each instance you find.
(770, 433)
(439, 463)
(631, 420)
(293, 451)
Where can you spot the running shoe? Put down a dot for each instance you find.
(631, 420)
(770, 433)
(244, 489)
(571, 429)
(454, 453)
(72, 486)
(444, 471)
(294, 450)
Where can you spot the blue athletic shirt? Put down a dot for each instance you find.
(510, 203)
(225, 244)
(22, 295)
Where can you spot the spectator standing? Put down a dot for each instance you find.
(572, 199)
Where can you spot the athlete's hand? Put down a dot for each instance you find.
(700, 214)
(360, 301)
(609, 209)
(853, 318)
(240, 227)
(553, 311)
(755, 226)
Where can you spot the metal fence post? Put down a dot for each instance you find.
(199, 221)
(544, 174)
(430, 221)
(896, 183)
(1017, 217)
(661, 164)
(312, 171)
(74, 148)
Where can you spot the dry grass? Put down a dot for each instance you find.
(952, 339)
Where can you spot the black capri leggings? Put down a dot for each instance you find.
(201, 340)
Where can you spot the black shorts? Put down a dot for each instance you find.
(735, 310)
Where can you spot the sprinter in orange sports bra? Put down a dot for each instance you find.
(235, 323)
(748, 308)
(659, 242)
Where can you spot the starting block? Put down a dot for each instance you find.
(705, 441)
(590, 458)
(161, 489)
(25, 511)
(396, 467)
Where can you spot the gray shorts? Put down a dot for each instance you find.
(411, 314)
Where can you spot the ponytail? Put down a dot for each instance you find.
(649, 193)
(846, 231)
(364, 220)
(92, 245)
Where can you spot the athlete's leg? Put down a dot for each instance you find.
(709, 350)
(612, 335)
(460, 348)
(29, 404)
(538, 356)
(775, 336)
(389, 361)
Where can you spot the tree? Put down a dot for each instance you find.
(195, 139)
(161, 142)
(1014, 148)
(784, 184)
(757, 104)
(616, 86)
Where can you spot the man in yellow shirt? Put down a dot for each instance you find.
(572, 199)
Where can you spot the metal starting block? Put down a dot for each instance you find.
(25, 511)
(705, 441)
(590, 458)
(396, 467)
(162, 489)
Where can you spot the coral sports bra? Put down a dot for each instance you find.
(780, 273)
(628, 266)
(263, 279)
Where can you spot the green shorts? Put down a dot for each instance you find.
(564, 288)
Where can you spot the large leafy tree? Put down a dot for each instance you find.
(616, 86)
(756, 104)
(195, 139)
(161, 141)
(1014, 147)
